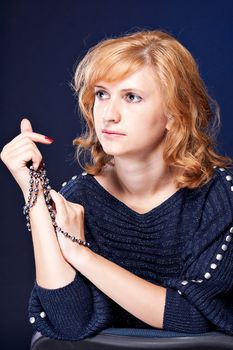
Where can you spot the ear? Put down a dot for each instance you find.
(170, 120)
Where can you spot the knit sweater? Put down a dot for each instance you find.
(184, 244)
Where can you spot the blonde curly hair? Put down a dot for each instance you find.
(190, 143)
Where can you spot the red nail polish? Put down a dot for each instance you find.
(49, 139)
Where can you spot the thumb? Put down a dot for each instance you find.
(54, 194)
(56, 199)
(25, 125)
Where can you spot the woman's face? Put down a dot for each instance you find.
(132, 107)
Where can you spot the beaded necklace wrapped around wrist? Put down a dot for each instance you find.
(35, 177)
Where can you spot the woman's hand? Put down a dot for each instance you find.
(19, 151)
(70, 218)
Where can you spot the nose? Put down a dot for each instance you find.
(112, 112)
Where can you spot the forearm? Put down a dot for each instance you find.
(52, 270)
(143, 299)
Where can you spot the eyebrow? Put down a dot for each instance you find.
(128, 89)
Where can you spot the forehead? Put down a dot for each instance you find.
(143, 78)
(114, 67)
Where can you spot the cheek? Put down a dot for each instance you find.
(97, 121)
(97, 112)
(152, 119)
(152, 127)
(94, 110)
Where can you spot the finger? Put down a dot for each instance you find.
(20, 156)
(32, 136)
(60, 205)
(25, 125)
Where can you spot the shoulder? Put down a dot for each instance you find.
(211, 209)
(207, 210)
(72, 187)
(217, 193)
(221, 189)
(209, 220)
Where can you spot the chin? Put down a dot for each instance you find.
(112, 152)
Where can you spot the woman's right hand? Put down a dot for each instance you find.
(19, 151)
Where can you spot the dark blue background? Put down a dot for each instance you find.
(40, 44)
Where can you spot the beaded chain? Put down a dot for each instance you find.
(35, 177)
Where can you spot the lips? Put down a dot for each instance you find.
(105, 131)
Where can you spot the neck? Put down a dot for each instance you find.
(142, 179)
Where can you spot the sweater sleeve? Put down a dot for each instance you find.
(72, 312)
(201, 298)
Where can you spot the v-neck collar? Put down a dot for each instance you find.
(115, 201)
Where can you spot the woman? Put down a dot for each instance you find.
(155, 203)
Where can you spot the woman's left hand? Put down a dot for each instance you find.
(70, 217)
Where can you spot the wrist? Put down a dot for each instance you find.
(26, 194)
(81, 259)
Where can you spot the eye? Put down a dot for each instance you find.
(101, 94)
(133, 97)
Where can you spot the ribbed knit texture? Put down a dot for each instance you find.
(175, 245)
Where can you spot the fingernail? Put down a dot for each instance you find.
(49, 139)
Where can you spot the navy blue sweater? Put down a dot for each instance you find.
(184, 244)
